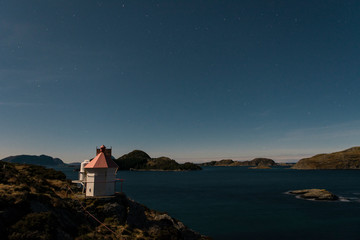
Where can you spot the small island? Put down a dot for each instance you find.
(315, 194)
(256, 163)
(138, 160)
(260, 166)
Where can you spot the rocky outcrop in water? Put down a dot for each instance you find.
(347, 159)
(39, 203)
(315, 194)
(261, 167)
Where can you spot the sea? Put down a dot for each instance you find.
(243, 203)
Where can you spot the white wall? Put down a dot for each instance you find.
(90, 178)
(100, 182)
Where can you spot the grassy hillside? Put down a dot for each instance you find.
(347, 159)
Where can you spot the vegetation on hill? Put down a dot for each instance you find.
(39, 203)
(139, 160)
(42, 160)
(256, 162)
(136, 159)
(347, 159)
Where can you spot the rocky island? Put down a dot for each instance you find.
(256, 163)
(315, 194)
(139, 160)
(347, 159)
(260, 166)
(39, 203)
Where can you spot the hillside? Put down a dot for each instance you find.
(139, 160)
(135, 159)
(347, 159)
(256, 162)
(42, 160)
(39, 203)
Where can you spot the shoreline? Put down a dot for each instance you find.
(156, 170)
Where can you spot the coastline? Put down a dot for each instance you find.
(41, 203)
(156, 170)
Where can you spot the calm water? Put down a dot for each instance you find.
(241, 203)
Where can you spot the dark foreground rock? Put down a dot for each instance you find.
(315, 194)
(132, 220)
(39, 203)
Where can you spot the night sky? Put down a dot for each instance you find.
(192, 80)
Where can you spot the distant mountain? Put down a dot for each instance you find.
(256, 162)
(347, 159)
(140, 160)
(42, 160)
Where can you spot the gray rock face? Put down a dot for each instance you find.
(315, 194)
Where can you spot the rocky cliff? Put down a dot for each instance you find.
(347, 159)
(39, 203)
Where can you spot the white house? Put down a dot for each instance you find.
(100, 174)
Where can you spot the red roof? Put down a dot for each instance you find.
(100, 161)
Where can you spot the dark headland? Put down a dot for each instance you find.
(347, 159)
(42, 160)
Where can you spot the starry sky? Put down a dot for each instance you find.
(192, 80)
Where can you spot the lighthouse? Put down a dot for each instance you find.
(100, 174)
